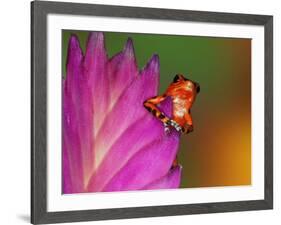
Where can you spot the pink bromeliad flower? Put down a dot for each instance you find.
(110, 141)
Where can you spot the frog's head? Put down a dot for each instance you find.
(188, 85)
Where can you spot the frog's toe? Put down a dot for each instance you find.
(177, 126)
(187, 129)
(167, 130)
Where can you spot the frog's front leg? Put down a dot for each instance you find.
(151, 106)
(188, 127)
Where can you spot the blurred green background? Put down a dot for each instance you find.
(218, 151)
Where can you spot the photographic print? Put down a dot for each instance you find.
(147, 112)
(153, 111)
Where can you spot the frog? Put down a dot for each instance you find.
(182, 92)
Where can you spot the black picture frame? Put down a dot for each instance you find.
(39, 12)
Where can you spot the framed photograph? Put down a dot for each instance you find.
(144, 112)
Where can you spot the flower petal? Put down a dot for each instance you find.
(128, 109)
(123, 70)
(95, 69)
(72, 155)
(147, 165)
(78, 114)
(170, 180)
(135, 137)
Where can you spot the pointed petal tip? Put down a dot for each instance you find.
(96, 36)
(73, 43)
(129, 48)
(154, 62)
(129, 43)
(73, 40)
(96, 40)
(153, 65)
(155, 56)
(95, 49)
(74, 52)
(155, 59)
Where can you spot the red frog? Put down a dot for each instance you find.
(183, 92)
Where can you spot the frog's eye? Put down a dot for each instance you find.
(177, 78)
